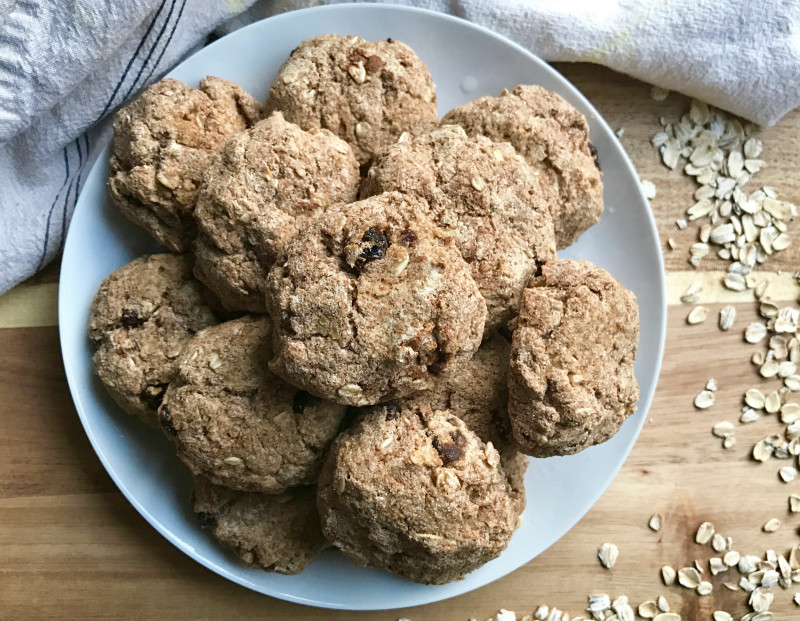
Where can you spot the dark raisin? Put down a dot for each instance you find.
(373, 64)
(438, 365)
(374, 247)
(447, 452)
(450, 453)
(392, 411)
(389, 40)
(593, 151)
(408, 238)
(303, 400)
(130, 319)
(165, 418)
(163, 139)
(153, 394)
(207, 520)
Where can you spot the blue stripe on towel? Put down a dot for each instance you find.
(133, 58)
(153, 49)
(166, 45)
(50, 215)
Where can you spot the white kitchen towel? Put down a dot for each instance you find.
(66, 65)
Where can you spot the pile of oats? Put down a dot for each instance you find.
(722, 155)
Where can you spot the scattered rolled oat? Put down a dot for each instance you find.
(794, 503)
(608, 553)
(697, 315)
(689, 577)
(649, 189)
(655, 522)
(668, 575)
(658, 94)
(727, 314)
(704, 400)
(772, 525)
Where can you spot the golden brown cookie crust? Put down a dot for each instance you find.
(163, 142)
(554, 138)
(485, 194)
(571, 378)
(371, 302)
(266, 184)
(279, 533)
(234, 422)
(415, 492)
(368, 93)
(142, 317)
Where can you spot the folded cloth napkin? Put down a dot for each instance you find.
(66, 65)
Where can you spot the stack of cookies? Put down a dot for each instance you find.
(362, 326)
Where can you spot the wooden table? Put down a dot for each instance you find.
(71, 547)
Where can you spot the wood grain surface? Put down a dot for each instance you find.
(71, 547)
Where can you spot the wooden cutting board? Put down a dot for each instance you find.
(71, 547)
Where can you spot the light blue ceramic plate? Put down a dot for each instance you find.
(466, 62)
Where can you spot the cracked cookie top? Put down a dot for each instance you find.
(554, 139)
(273, 532)
(141, 318)
(365, 92)
(371, 302)
(414, 491)
(496, 207)
(267, 183)
(163, 142)
(571, 378)
(234, 422)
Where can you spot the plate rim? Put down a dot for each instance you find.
(645, 401)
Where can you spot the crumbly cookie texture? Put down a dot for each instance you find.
(496, 206)
(273, 532)
(571, 378)
(372, 302)
(415, 492)
(163, 142)
(368, 93)
(266, 184)
(234, 422)
(554, 138)
(477, 393)
(142, 316)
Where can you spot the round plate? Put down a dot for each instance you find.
(466, 62)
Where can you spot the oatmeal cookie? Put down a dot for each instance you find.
(273, 532)
(163, 142)
(367, 93)
(477, 393)
(415, 492)
(554, 138)
(571, 379)
(234, 422)
(371, 302)
(141, 318)
(484, 193)
(267, 183)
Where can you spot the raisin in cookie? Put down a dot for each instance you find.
(571, 381)
(266, 184)
(371, 302)
(495, 205)
(163, 142)
(279, 533)
(367, 93)
(237, 424)
(477, 393)
(554, 138)
(417, 493)
(141, 318)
